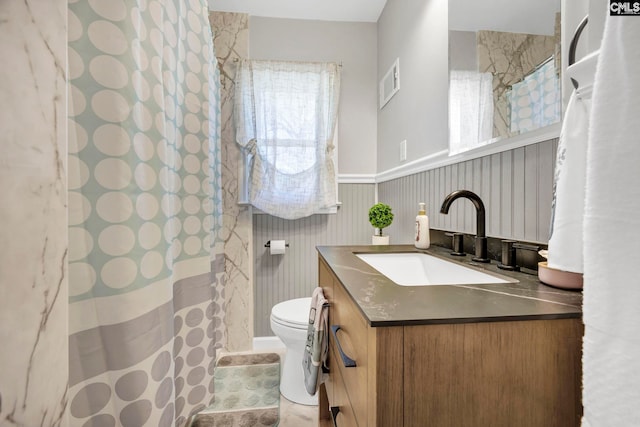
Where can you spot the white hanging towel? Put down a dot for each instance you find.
(611, 349)
(565, 239)
(315, 351)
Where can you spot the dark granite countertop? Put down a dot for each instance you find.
(384, 303)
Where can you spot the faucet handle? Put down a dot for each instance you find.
(457, 243)
(508, 260)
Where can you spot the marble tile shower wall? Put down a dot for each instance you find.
(33, 214)
(515, 186)
(231, 41)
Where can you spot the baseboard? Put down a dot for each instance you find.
(267, 343)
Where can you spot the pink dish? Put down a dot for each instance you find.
(559, 278)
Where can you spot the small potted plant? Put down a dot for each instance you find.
(380, 216)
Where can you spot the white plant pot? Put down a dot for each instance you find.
(380, 240)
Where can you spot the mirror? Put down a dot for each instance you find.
(504, 69)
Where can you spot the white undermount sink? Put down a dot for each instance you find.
(420, 269)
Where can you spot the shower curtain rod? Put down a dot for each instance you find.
(536, 68)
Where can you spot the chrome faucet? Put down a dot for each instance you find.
(481, 237)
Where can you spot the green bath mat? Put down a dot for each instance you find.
(246, 392)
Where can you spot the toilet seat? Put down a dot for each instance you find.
(292, 313)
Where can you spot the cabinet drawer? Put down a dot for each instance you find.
(353, 340)
(346, 416)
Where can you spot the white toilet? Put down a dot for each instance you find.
(289, 321)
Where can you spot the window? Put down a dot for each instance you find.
(285, 115)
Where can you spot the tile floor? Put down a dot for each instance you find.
(294, 415)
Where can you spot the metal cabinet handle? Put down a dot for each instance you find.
(346, 360)
(335, 410)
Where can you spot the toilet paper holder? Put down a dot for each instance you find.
(268, 244)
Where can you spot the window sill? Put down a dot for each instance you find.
(328, 211)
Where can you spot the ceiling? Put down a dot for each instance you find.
(523, 16)
(515, 16)
(322, 10)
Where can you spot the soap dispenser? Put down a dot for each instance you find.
(422, 240)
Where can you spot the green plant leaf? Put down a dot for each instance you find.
(380, 215)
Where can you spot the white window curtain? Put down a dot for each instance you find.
(285, 115)
(470, 110)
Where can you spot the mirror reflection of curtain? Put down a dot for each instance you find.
(535, 102)
(470, 110)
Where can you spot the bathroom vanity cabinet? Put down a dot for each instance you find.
(503, 370)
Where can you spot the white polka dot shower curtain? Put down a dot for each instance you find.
(145, 266)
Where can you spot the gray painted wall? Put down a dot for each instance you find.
(354, 45)
(415, 31)
(463, 51)
(295, 274)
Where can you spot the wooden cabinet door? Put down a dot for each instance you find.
(493, 374)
